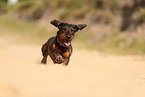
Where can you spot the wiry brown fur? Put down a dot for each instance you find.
(59, 47)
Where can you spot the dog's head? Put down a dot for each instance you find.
(66, 31)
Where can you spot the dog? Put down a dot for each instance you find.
(59, 48)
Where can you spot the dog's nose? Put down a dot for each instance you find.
(68, 35)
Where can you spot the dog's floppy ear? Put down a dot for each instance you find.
(79, 27)
(56, 23)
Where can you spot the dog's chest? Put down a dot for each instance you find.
(60, 49)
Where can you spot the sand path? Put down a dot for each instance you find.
(89, 74)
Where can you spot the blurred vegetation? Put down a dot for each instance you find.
(23, 31)
(113, 25)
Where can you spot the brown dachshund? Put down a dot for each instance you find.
(59, 47)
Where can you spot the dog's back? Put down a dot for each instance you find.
(45, 46)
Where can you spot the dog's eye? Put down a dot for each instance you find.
(72, 30)
(62, 32)
(64, 29)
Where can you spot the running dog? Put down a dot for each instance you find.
(59, 48)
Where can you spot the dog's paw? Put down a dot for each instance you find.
(59, 59)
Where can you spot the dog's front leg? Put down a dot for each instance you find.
(56, 57)
(66, 61)
(66, 56)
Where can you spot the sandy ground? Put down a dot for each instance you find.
(89, 74)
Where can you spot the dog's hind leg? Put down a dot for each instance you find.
(44, 53)
(44, 60)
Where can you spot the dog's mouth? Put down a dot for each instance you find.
(66, 43)
(63, 42)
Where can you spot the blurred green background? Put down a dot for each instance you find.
(116, 26)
